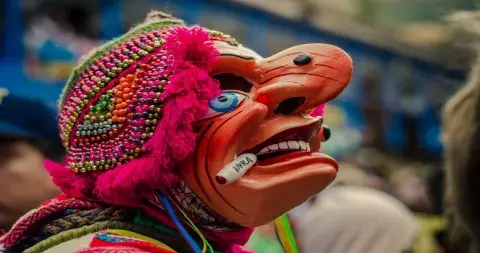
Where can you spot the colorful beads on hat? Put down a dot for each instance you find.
(216, 35)
(106, 120)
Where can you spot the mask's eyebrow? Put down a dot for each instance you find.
(244, 57)
(239, 52)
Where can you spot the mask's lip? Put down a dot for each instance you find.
(300, 161)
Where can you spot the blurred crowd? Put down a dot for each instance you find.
(379, 203)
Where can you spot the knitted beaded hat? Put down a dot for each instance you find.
(126, 113)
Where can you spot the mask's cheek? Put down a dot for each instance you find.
(218, 141)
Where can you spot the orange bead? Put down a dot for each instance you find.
(115, 113)
(119, 101)
(115, 118)
(118, 106)
(130, 77)
(126, 96)
(130, 115)
(122, 80)
(121, 119)
(126, 90)
(122, 112)
(119, 93)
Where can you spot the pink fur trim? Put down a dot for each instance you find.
(67, 181)
(319, 110)
(186, 98)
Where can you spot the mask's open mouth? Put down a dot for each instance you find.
(286, 145)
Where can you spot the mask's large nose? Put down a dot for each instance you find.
(302, 77)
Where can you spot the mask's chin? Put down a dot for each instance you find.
(269, 190)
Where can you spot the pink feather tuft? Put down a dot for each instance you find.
(67, 181)
(319, 110)
(190, 45)
(186, 98)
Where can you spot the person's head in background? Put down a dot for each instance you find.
(461, 138)
(355, 219)
(27, 137)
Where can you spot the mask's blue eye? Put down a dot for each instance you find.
(223, 103)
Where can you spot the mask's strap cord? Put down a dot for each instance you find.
(195, 228)
(191, 242)
(285, 234)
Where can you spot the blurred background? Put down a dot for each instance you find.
(409, 58)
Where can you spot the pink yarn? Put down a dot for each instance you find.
(319, 110)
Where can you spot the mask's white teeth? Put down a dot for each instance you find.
(290, 145)
(303, 145)
(293, 145)
(283, 145)
(263, 151)
(273, 147)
